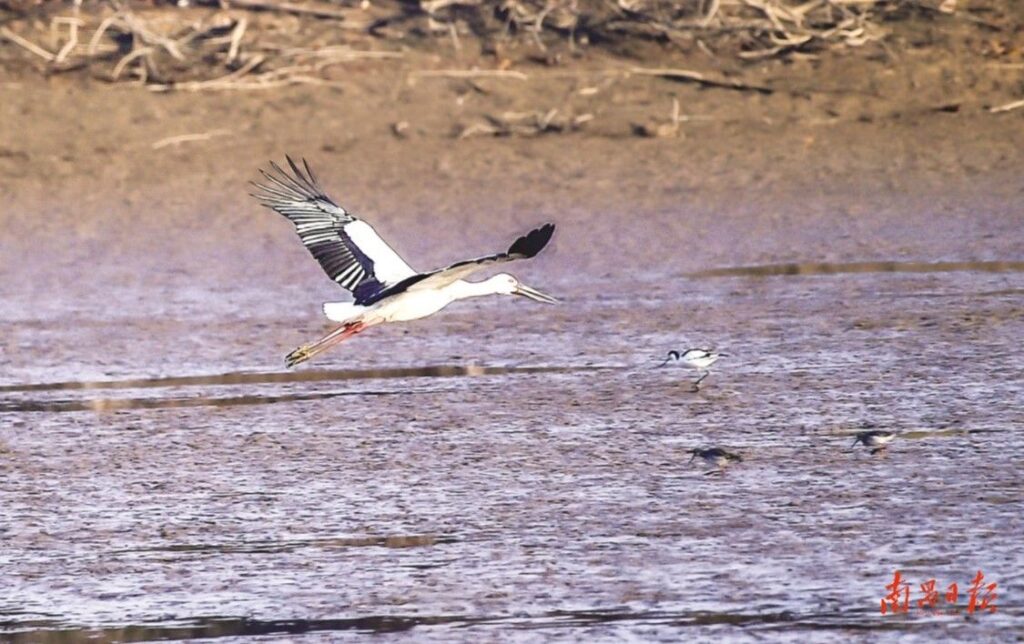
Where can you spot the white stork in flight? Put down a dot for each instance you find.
(385, 288)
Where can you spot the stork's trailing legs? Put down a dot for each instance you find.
(307, 351)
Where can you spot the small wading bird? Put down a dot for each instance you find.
(876, 439)
(699, 359)
(716, 458)
(385, 288)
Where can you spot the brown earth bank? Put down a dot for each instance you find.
(872, 148)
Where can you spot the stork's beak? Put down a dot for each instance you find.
(534, 294)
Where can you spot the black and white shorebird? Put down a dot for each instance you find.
(384, 287)
(699, 359)
(876, 439)
(716, 458)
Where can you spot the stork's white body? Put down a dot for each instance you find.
(406, 306)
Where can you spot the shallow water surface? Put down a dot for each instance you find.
(518, 472)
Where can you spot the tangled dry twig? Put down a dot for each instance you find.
(532, 123)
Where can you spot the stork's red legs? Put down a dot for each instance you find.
(307, 351)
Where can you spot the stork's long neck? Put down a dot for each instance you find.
(462, 289)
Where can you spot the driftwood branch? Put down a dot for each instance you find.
(187, 138)
(689, 76)
(27, 45)
(1015, 105)
(72, 42)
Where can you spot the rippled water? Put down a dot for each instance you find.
(512, 471)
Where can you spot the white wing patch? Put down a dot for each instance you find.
(388, 267)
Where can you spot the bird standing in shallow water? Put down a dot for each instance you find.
(877, 439)
(699, 359)
(385, 288)
(716, 458)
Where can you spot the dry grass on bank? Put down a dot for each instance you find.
(261, 44)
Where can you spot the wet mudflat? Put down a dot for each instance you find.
(512, 471)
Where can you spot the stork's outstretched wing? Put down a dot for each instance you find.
(349, 250)
(525, 247)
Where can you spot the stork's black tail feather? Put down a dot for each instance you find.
(532, 242)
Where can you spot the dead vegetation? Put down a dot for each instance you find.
(170, 49)
(509, 46)
(199, 45)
